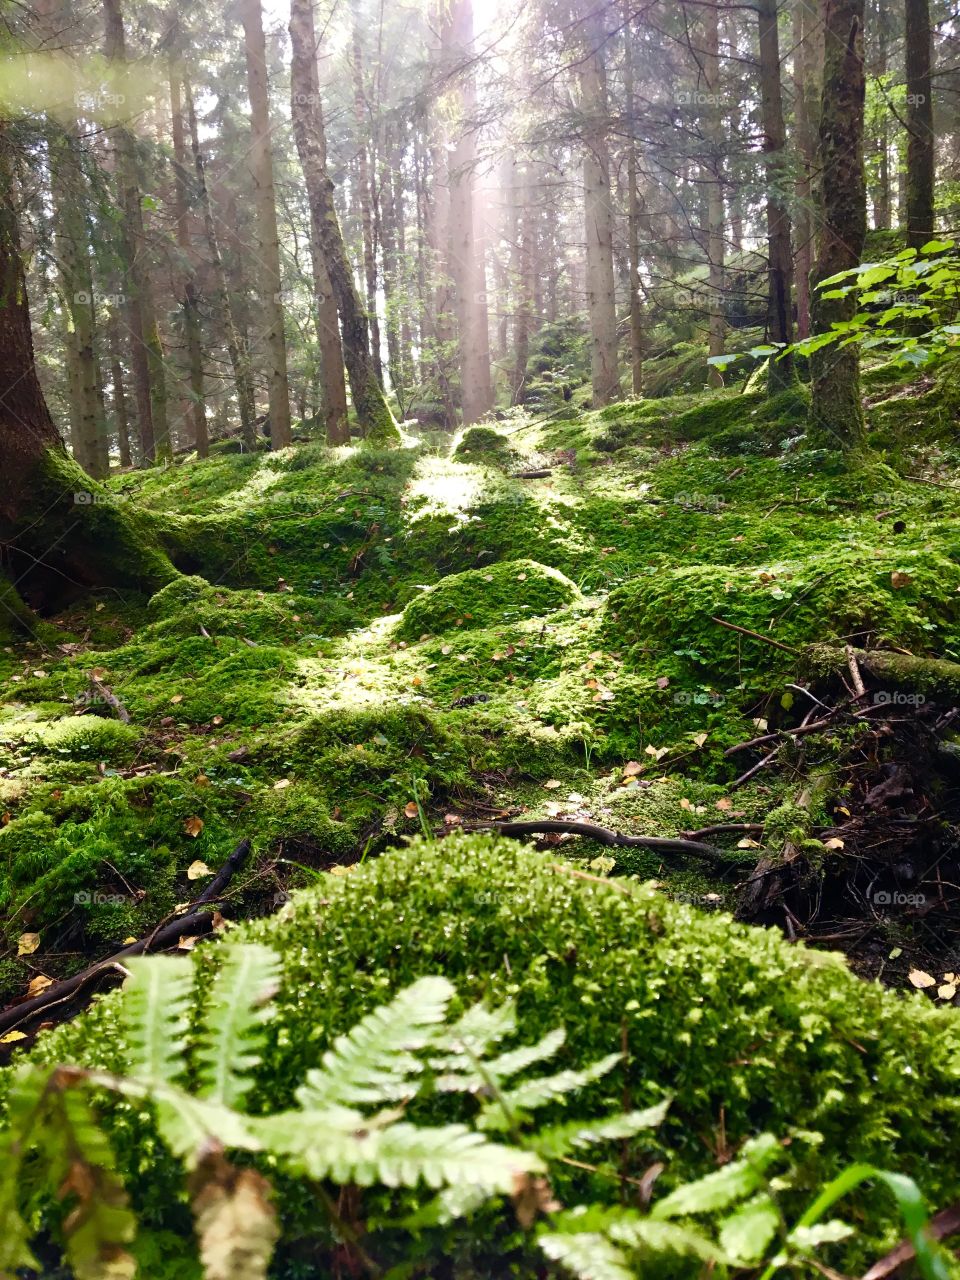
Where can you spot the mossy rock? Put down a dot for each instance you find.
(484, 444)
(485, 597)
(731, 1021)
(89, 738)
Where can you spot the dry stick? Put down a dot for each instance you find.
(780, 733)
(720, 828)
(761, 764)
(602, 835)
(187, 926)
(941, 1225)
(111, 699)
(754, 635)
(859, 687)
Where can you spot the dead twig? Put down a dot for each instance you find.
(602, 835)
(754, 635)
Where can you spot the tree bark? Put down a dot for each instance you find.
(365, 200)
(369, 404)
(260, 163)
(921, 150)
(633, 214)
(522, 193)
(713, 137)
(807, 71)
(779, 254)
(601, 292)
(121, 414)
(836, 413)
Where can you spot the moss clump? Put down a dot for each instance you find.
(484, 444)
(88, 738)
(483, 597)
(811, 1046)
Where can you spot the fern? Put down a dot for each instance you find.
(561, 1139)
(717, 1190)
(156, 1005)
(588, 1255)
(472, 1077)
(538, 1092)
(234, 1024)
(375, 1061)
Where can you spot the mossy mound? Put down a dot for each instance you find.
(485, 597)
(88, 738)
(746, 1032)
(484, 444)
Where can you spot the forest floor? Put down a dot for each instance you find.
(367, 645)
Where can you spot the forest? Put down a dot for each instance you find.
(479, 639)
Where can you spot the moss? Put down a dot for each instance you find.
(90, 738)
(484, 444)
(811, 1046)
(513, 589)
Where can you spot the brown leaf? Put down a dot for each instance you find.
(28, 944)
(39, 984)
(921, 980)
(410, 809)
(900, 579)
(723, 803)
(193, 827)
(632, 768)
(197, 870)
(532, 1195)
(235, 1221)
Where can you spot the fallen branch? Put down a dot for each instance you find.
(602, 835)
(192, 925)
(539, 474)
(754, 635)
(110, 698)
(941, 1225)
(761, 764)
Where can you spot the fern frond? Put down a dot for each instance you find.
(156, 1002)
(587, 1255)
(559, 1140)
(187, 1124)
(234, 1022)
(448, 1205)
(471, 1036)
(236, 1223)
(735, 1181)
(503, 1067)
(375, 1061)
(747, 1233)
(665, 1237)
(538, 1092)
(399, 1155)
(14, 1232)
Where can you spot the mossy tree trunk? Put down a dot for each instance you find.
(369, 404)
(779, 254)
(836, 414)
(59, 532)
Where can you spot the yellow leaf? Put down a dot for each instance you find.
(685, 803)
(700, 738)
(39, 984)
(197, 870)
(28, 944)
(12, 1037)
(747, 843)
(834, 843)
(281, 784)
(177, 697)
(187, 944)
(552, 784)
(341, 870)
(921, 980)
(193, 827)
(947, 991)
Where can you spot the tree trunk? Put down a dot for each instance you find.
(780, 257)
(59, 532)
(881, 193)
(921, 155)
(807, 72)
(836, 413)
(260, 164)
(121, 415)
(633, 214)
(307, 115)
(239, 362)
(189, 298)
(466, 265)
(713, 138)
(601, 292)
(521, 188)
(369, 404)
(365, 201)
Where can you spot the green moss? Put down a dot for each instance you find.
(90, 738)
(513, 589)
(810, 1047)
(484, 444)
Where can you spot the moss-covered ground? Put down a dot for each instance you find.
(365, 643)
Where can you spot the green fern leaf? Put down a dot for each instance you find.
(503, 1067)
(745, 1235)
(724, 1187)
(156, 1002)
(665, 1237)
(561, 1139)
(471, 1036)
(536, 1093)
(14, 1232)
(188, 1124)
(375, 1061)
(451, 1203)
(588, 1255)
(234, 1022)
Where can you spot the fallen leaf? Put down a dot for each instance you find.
(197, 870)
(632, 768)
(28, 944)
(452, 819)
(13, 1036)
(177, 697)
(187, 944)
(921, 980)
(410, 809)
(747, 843)
(834, 843)
(193, 827)
(202, 780)
(723, 803)
(217, 720)
(899, 579)
(552, 784)
(129, 941)
(700, 738)
(685, 803)
(39, 984)
(947, 991)
(663, 682)
(281, 784)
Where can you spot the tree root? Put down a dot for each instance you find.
(604, 836)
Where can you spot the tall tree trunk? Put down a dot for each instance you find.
(713, 138)
(121, 415)
(601, 291)
(881, 193)
(237, 352)
(307, 115)
(780, 257)
(836, 413)
(369, 404)
(260, 164)
(466, 266)
(521, 187)
(921, 154)
(189, 298)
(807, 74)
(392, 288)
(365, 200)
(633, 213)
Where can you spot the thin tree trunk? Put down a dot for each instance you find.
(881, 194)
(120, 412)
(921, 151)
(521, 187)
(601, 290)
(307, 115)
(391, 292)
(716, 247)
(239, 362)
(807, 71)
(365, 201)
(260, 164)
(836, 412)
(371, 408)
(189, 300)
(633, 214)
(780, 257)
